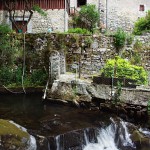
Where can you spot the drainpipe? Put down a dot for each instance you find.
(99, 12)
(65, 16)
(106, 14)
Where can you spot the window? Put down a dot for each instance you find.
(141, 8)
(81, 3)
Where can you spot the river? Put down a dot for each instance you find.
(53, 120)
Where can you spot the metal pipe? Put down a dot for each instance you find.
(65, 17)
(106, 14)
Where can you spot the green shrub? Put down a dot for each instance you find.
(6, 76)
(79, 30)
(87, 17)
(4, 29)
(13, 77)
(120, 38)
(39, 77)
(8, 46)
(142, 25)
(119, 68)
(129, 39)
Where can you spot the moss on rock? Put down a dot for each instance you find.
(12, 137)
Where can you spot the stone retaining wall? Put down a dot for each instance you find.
(79, 49)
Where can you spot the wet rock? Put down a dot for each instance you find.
(13, 137)
(42, 143)
(74, 140)
(141, 141)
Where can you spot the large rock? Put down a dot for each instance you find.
(71, 91)
(68, 88)
(15, 137)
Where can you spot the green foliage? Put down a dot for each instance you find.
(87, 18)
(79, 31)
(138, 46)
(39, 10)
(142, 25)
(13, 77)
(4, 29)
(129, 39)
(116, 97)
(119, 68)
(5, 75)
(136, 56)
(39, 77)
(8, 46)
(120, 38)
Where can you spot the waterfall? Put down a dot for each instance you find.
(48, 145)
(108, 136)
(58, 145)
(86, 137)
(106, 140)
(125, 136)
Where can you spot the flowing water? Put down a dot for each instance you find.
(65, 126)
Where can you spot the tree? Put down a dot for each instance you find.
(87, 17)
(11, 7)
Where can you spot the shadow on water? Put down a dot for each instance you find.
(46, 118)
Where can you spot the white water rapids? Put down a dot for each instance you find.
(107, 136)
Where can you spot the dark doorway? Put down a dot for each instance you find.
(81, 3)
(19, 25)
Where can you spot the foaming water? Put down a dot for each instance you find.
(111, 137)
(106, 140)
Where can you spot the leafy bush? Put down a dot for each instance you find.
(119, 68)
(13, 77)
(4, 29)
(142, 24)
(79, 30)
(6, 76)
(8, 46)
(120, 38)
(87, 17)
(39, 77)
(129, 39)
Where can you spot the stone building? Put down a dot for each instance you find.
(57, 15)
(114, 14)
(117, 13)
